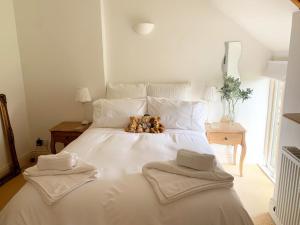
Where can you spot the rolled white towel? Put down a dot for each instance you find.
(60, 161)
(195, 160)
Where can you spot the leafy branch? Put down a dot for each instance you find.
(232, 93)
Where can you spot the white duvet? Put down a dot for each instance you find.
(122, 196)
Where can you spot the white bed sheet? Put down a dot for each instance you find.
(122, 196)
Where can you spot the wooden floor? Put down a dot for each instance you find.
(255, 200)
(8, 190)
(263, 219)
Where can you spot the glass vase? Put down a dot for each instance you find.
(229, 112)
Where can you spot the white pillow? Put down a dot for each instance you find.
(115, 113)
(176, 90)
(178, 114)
(119, 90)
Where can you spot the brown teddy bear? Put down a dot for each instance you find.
(147, 124)
(156, 126)
(133, 124)
(139, 128)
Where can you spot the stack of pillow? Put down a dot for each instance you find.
(171, 108)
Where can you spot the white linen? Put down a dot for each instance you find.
(60, 161)
(115, 113)
(177, 114)
(122, 196)
(53, 188)
(126, 90)
(81, 167)
(171, 182)
(181, 91)
(55, 184)
(195, 160)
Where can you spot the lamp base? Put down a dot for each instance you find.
(84, 122)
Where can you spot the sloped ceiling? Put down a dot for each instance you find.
(269, 21)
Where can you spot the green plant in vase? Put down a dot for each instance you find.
(232, 94)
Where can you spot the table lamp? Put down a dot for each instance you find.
(210, 96)
(83, 96)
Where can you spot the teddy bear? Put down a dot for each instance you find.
(145, 122)
(132, 126)
(156, 126)
(139, 128)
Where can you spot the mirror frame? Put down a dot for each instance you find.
(14, 168)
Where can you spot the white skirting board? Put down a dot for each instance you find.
(272, 212)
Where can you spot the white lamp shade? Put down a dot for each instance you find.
(83, 95)
(143, 28)
(276, 70)
(211, 94)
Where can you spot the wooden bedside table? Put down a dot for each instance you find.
(228, 134)
(65, 133)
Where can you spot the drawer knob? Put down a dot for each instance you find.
(226, 138)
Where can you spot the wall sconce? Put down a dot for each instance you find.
(143, 28)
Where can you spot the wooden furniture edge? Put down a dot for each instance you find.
(296, 2)
(67, 134)
(242, 131)
(9, 136)
(293, 116)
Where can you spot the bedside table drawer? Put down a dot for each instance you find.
(225, 138)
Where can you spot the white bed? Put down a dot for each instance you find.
(122, 196)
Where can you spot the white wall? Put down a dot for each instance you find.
(62, 45)
(186, 44)
(61, 50)
(290, 131)
(263, 19)
(11, 81)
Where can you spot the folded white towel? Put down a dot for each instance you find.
(196, 160)
(61, 161)
(171, 182)
(55, 184)
(81, 167)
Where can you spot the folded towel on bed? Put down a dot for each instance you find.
(60, 161)
(196, 160)
(55, 184)
(171, 182)
(80, 167)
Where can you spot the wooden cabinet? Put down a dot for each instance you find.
(228, 134)
(65, 133)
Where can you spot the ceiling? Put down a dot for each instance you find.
(269, 21)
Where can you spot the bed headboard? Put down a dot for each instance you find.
(178, 90)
